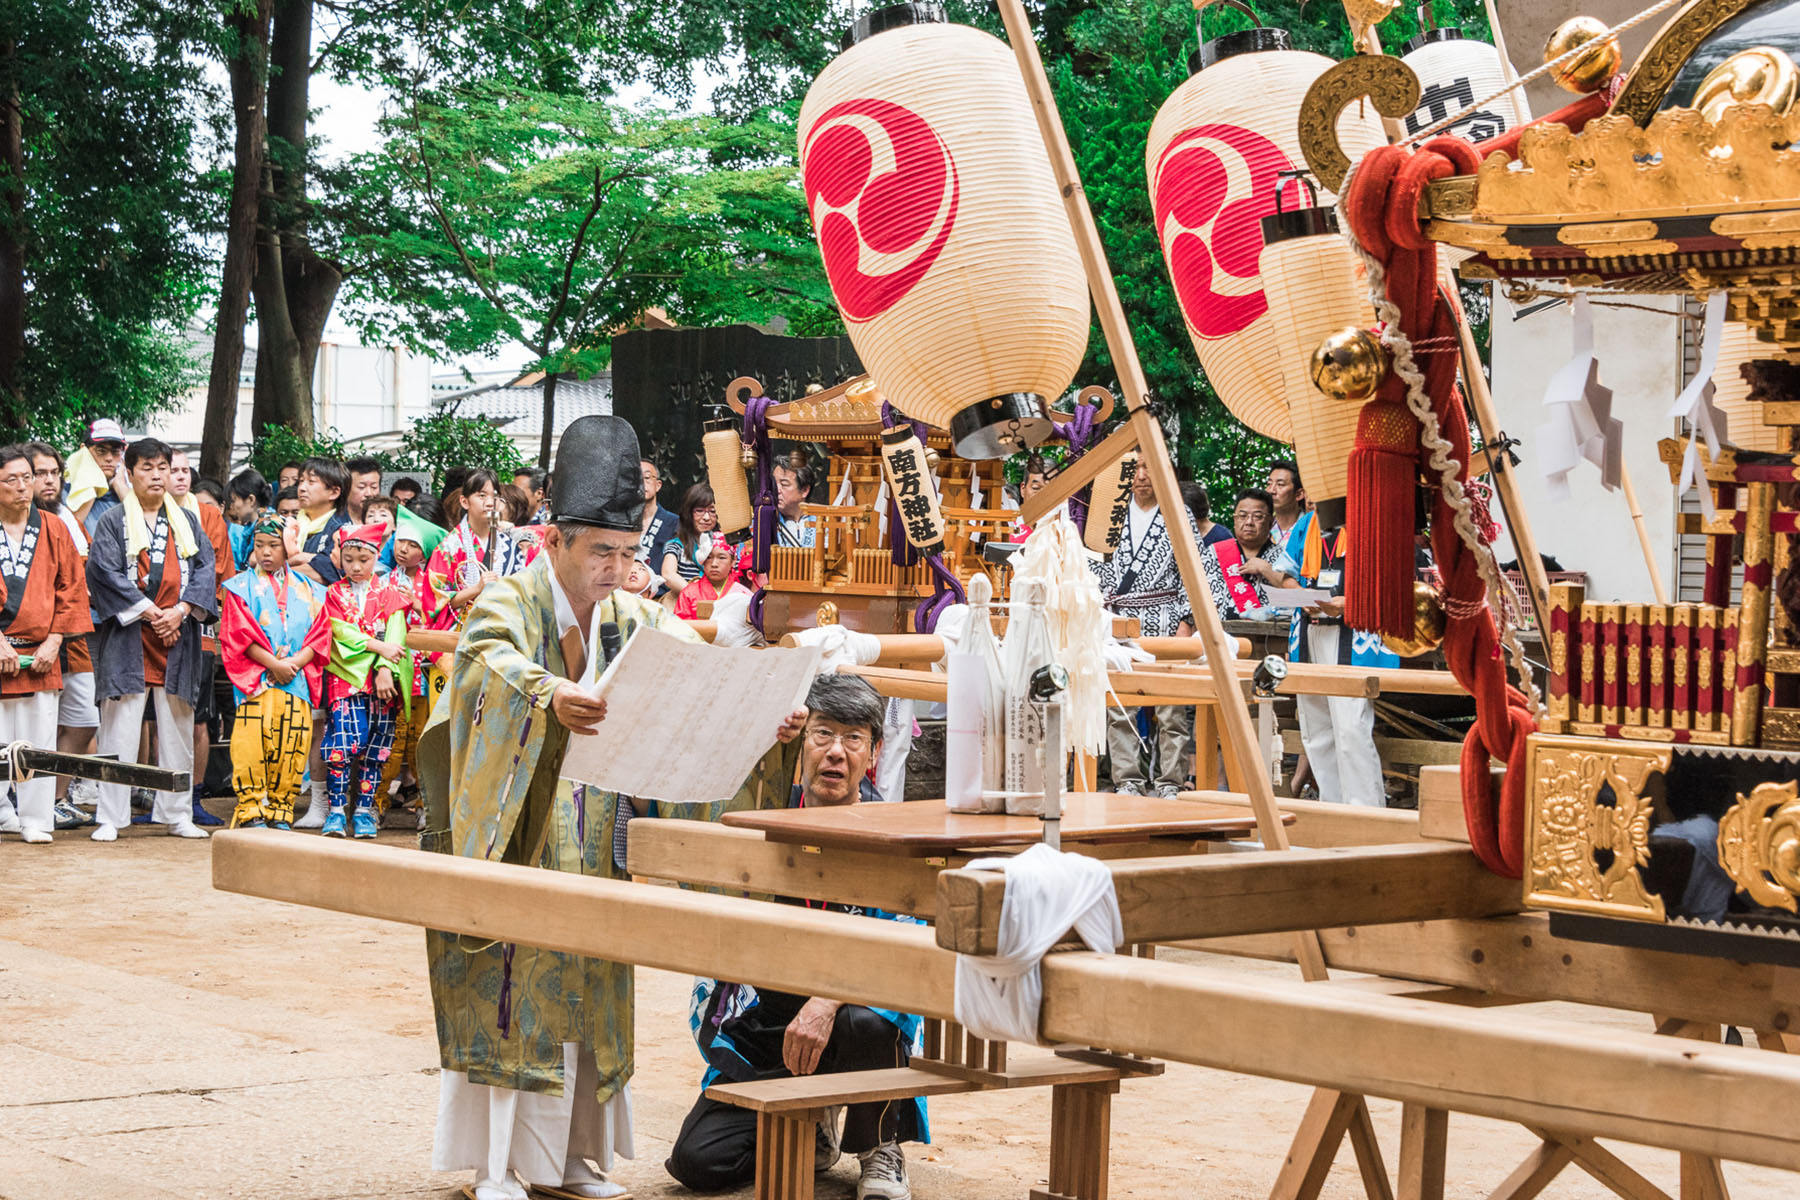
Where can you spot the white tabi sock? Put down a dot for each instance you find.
(580, 1178)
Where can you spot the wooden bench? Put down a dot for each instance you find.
(1081, 1086)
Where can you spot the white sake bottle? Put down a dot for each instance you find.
(1027, 649)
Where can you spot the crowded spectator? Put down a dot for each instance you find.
(273, 647)
(287, 504)
(475, 554)
(1200, 508)
(46, 601)
(1037, 474)
(516, 508)
(659, 527)
(287, 476)
(794, 479)
(1141, 580)
(76, 715)
(150, 581)
(535, 483)
(364, 483)
(212, 524)
(718, 579)
(405, 490)
(322, 488)
(1287, 499)
(96, 473)
(368, 649)
(693, 539)
(1236, 567)
(413, 541)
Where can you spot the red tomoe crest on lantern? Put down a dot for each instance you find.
(1213, 186)
(882, 190)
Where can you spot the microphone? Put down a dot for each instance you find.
(611, 641)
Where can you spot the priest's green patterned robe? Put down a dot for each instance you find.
(489, 766)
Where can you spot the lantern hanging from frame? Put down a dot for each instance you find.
(1109, 505)
(1215, 156)
(1315, 284)
(943, 235)
(723, 447)
(913, 489)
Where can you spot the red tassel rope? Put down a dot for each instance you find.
(1383, 209)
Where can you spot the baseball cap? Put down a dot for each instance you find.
(106, 430)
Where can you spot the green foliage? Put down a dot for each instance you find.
(443, 440)
(277, 444)
(112, 110)
(496, 216)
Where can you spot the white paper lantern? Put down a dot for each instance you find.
(1215, 157)
(1454, 72)
(1315, 284)
(943, 235)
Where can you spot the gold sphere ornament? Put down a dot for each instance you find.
(1349, 365)
(1590, 70)
(1428, 625)
(931, 459)
(1759, 75)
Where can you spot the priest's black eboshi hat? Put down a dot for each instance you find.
(597, 480)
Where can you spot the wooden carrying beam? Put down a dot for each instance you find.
(1725, 1101)
(1518, 956)
(1161, 899)
(1319, 824)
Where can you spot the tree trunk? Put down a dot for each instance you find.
(12, 249)
(291, 331)
(549, 419)
(289, 384)
(248, 71)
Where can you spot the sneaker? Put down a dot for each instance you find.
(142, 800)
(70, 817)
(883, 1174)
(1167, 791)
(334, 823)
(828, 1150)
(84, 792)
(1128, 789)
(283, 826)
(362, 823)
(187, 829)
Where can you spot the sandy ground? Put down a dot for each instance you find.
(160, 1039)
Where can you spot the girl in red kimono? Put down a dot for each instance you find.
(367, 622)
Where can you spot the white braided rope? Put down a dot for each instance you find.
(1431, 436)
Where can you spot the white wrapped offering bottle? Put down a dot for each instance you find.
(975, 724)
(1027, 648)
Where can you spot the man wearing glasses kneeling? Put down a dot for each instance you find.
(747, 1033)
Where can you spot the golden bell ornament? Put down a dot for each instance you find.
(748, 458)
(1759, 75)
(931, 459)
(1349, 365)
(1590, 70)
(1428, 625)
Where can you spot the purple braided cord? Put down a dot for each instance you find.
(945, 592)
(1080, 432)
(762, 522)
(505, 1017)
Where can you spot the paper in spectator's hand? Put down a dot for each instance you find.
(686, 722)
(1302, 597)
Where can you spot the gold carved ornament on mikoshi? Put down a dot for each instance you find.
(915, 495)
(1759, 844)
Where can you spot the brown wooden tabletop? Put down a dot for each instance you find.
(927, 827)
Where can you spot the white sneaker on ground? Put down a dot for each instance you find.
(105, 833)
(828, 1145)
(187, 829)
(37, 837)
(84, 792)
(883, 1174)
(315, 815)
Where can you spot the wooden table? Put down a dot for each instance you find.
(927, 828)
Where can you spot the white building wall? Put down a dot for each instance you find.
(1640, 360)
